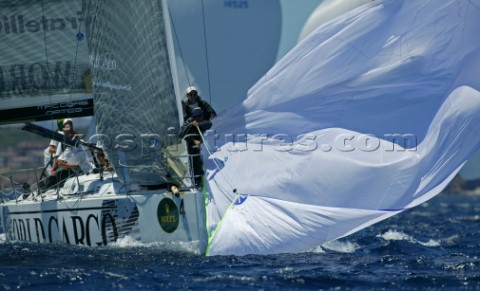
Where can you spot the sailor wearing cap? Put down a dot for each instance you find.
(193, 101)
(71, 158)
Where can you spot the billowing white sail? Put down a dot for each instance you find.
(223, 47)
(372, 114)
(328, 10)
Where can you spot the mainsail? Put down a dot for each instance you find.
(372, 114)
(135, 104)
(45, 70)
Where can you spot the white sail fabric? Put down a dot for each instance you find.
(326, 11)
(223, 47)
(372, 114)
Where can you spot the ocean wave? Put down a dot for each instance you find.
(318, 250)
(341, 247)
(397, 235)
(337, 246)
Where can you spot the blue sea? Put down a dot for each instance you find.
(434, 246)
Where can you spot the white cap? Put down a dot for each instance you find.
(190, 89)
(67, 120)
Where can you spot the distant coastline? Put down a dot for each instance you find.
(463, 187)
(20, 153)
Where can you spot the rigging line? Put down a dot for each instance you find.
(46, 63)
(227, 179)
(179, 46)
(8, 179)
(22, 171)
(76, 55)
(206, 54)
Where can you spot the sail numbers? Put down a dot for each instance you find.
(103, 63)
(236, 4)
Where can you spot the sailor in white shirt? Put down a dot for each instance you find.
(70, 157)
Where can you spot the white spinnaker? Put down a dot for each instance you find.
(389, 67)
(326, 11)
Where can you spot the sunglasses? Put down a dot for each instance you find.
(192, 94)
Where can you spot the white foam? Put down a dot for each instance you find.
(118, 276)
(341, 247)
(318, 250)
(336, 246)
(129, 242)
(397, 235)
(286, 270)
(3, 238)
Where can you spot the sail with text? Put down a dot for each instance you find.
(136, 110)
(370, 115)
(45, 69)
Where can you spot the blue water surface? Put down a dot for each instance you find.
(433, 246)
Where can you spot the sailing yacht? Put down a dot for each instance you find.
(127, 63)
(370, 115)
(66, 54)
